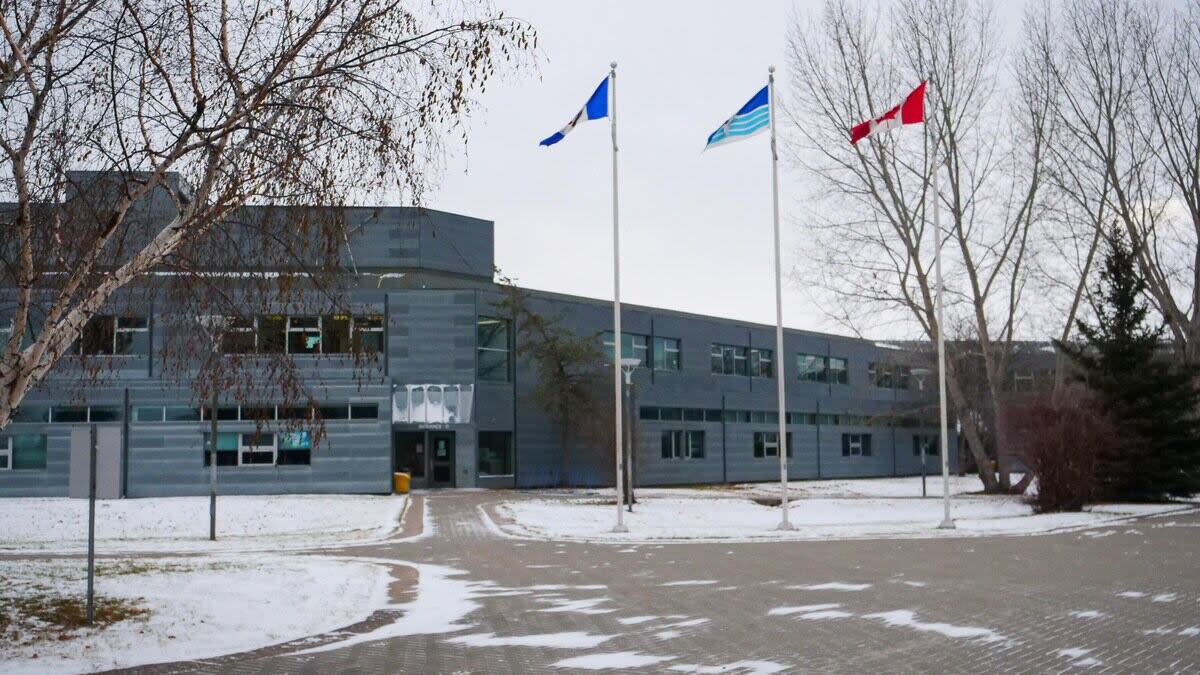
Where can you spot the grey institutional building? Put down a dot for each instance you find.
(450, 403)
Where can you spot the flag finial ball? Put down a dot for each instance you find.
(613, 64)
(770, 69)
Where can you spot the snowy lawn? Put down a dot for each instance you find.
(181, 523)
(195, 608)
(819, 510)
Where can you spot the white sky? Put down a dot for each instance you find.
(695, 229)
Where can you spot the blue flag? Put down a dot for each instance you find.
(749, 120)
(595, 108)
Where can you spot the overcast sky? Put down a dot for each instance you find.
(695, 228)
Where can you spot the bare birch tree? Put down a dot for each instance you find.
(202, 109)
(870, 223)
(1126, 76)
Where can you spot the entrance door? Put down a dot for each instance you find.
(441, 458)
(409, 447)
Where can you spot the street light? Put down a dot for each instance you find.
(628, 365)
(920, 374)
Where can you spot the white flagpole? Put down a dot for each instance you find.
(617, 399)
(779, 354)
(947, 522)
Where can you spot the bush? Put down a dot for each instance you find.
(1064, 443)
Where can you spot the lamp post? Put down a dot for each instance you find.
(920, 374)
(628, 365)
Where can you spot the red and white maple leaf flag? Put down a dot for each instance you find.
(911, 111)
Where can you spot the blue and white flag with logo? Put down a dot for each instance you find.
(746, 122)
(595, 108)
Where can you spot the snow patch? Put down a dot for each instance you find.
(566, 640)
(735, 668)
(831, 586)
(691, 582)
(1087, 614)
(785, 611)
(611, 661)
(906, 618)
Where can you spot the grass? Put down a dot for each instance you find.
(41, 616)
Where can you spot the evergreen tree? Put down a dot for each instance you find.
(1153, 402)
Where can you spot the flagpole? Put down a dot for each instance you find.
(617, 399)
(947, 522)
(779, 358)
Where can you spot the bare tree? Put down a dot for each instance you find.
(870, 216)
(1127, 117)
(196, 111)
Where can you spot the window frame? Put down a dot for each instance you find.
(367, 328)
(856, 445)
(6, 453)
(806, 373)
(663, 347)
(507, 452)
(480, 349)
(8, 450)
(765, 441)
(733, 359)
(759, 356)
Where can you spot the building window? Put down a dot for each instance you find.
(810, 368)
(368, 334)
(258, 448)
(667, 354)
(109, 335)
(295, 449)
(495, 453)
(762, 363)
(239, 337)
(227, 448)
(21, 452)
(729, 360)
(493, 346)
(272, 334)
(838, 371)
(303, 335)
(856, 445)
(683, 444)
(816, 368)
(335, 334)
(6, 328)
(633, 346)
(889, 376)
(766, 444)
(927, 441)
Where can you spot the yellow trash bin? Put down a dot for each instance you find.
(400, 483)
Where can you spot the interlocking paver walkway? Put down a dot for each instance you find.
(1048, 603)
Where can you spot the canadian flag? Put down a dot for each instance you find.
(911, 111)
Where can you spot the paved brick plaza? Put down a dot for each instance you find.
(1118, 599)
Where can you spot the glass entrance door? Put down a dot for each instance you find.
(441, 458)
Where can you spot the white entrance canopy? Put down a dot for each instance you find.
(433, 404)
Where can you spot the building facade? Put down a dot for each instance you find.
(445, 398)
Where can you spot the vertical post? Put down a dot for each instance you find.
(922, 447)
(91, 559)
(212, 466)
(617, 402)
(947, 522)
(780, 369)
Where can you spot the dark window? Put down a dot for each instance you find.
(238, 337)
(667, 354)
(712, 415)
(492, 342)
(766, 444)
(695, 444)
(693, 414)
(335, 334)
(672, 444)
(272, 334)
(97, 336)
(104, 414)
(294, 413)
(670, 414)
(227, 448)
(304, 335)
(368, 334)
(495, 453)
(257, 413)
(258, 448)
(132, 335)
(66, 415)
(730, 360)
(928, 442)
(32, 413)
(181, 414)
(648, 413)
(364, 411)
(335, 412)
(856, 445)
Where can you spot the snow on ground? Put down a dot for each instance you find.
(680, 514)
(199, 607)
(611, 661)
(900, 486)
(266, 522)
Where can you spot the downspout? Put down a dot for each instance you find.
(724, 449)
(125, 446)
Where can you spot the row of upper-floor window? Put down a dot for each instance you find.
(690, 444)
(729, 416)
(36, 414)
(265, 334)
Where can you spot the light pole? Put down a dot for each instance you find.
(920, 374)
(628, 365)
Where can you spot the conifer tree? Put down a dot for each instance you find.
(1152, 400)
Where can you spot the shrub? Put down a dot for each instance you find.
(1064, 443)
